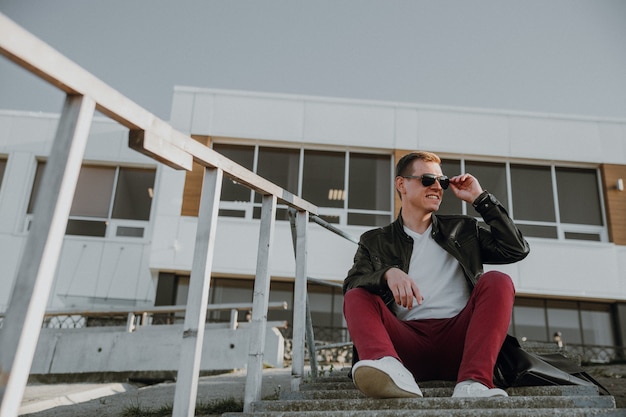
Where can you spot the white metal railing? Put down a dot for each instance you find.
(149, 135)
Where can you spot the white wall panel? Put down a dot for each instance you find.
(6, 120)
(202, 117)
(29, 133)
(257, 117)
(555, 139)
(121, 271)
(184, 244)
(182, 110)
(349, 124)
(169, 195)
(612, 142)
(163, 247)
(10, 257)
(571, 269)
(77, 273)
(406, 130)
(106, 139)
(458, 132)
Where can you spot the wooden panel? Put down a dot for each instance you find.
(615, 202)
(193, 184)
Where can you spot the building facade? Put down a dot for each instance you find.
(131, 231)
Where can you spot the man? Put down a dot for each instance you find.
(417, 302)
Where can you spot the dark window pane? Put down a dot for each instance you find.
(126, 231)
(225, 291)
(450, 204)
(133, 195)
(86, 228)
(244, 156)
(328, 218)
(281, 213)
(359, 219)
(492, 177)
(281, 291)
(528, 230)
(36, 185)
(232, 213)
(579, 196)
(280, 166)
(594, 237)
(563, 318)
(532, 193)
(323, 178)
(370, 182)
(596, 323)
(3, 166)
(93, 192)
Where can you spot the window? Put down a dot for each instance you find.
(107, 196)
(584, 323)
(349, 187)
(529, 319)
(544, 200)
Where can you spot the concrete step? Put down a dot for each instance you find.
(437, 403)
(336, 395)
(537, 412)
(353, 393)
(445, 388)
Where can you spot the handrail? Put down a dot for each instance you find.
(317, 219)
(157, 139)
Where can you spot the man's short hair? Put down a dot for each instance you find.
(405, 164)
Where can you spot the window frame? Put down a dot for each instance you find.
(561, 229)
(248, 208)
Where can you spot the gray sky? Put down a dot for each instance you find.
(555, 56)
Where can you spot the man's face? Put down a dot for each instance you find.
(416, 194)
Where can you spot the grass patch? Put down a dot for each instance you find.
(219, 406)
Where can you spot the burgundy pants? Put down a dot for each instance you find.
(457, 349)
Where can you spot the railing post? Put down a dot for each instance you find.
(260, 304)
(22, 324)
(299, 300)
(195, 316)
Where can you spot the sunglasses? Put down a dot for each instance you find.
(429, 179)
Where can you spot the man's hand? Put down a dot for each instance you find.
(465, 187)
(403, 288)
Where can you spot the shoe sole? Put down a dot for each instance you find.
(374, 383)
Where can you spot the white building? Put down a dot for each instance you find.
(132, 227)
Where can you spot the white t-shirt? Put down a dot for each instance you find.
(439, 277)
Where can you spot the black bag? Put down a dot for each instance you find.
(516, 367)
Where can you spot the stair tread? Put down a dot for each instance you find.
(433, 390)
(438, 403)
(536, 412)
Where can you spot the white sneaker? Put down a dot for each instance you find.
(475, 389)
(384, 378)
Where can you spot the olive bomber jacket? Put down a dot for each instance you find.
(471, 243)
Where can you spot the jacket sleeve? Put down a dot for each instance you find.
(366, 272)
(503, 242)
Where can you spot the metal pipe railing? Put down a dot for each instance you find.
(157, 139)
(310, 334)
